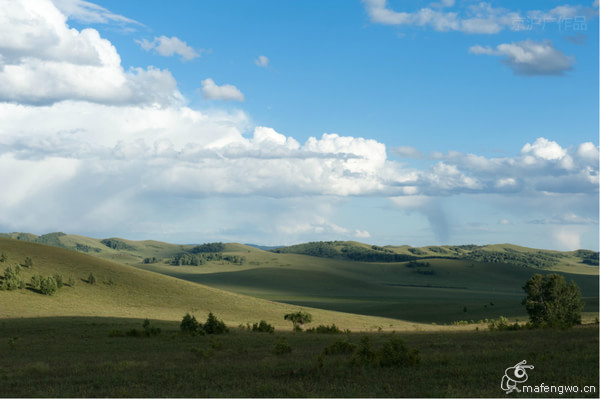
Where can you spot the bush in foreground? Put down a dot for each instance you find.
(393, 353)
(190, 325)
(263, 326)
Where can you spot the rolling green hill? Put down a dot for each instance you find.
(433, 284)
(128, 292)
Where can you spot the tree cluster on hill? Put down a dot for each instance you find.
(85, 248)
(538, 259)
(344, 250)
(209, 247)
(186, 259)
(116, 244)
(588, 257)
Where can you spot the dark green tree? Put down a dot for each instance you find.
(48, 286)
(12, 279)
(551, 302)
(298, 319)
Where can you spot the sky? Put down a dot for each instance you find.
(280, 122)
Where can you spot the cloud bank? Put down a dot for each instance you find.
(85, 143)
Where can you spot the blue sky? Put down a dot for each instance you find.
(388, 122)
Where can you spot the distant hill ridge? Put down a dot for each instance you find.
(343, 250)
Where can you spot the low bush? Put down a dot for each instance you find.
(338, 347)
(134, 332)
(321, 329)
(502, 324)
(59, 280)
(263, 326)
(282, 347)
(393, 353)
(149, 330)
(190, 325)
(36, 281)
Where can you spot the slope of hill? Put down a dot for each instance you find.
(124, 291)
(438, 284)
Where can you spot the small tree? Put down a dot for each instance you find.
(3, 257)
(92, 279)
(189, 324)
(48, 286)
(214, 325)
(12, 279)
(551, 302)
(28, 262)
(36, 281)
(298, 319)
(59, 280)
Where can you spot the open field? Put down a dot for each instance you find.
(75, 342)
(66, 357)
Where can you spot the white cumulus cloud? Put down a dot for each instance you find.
(211, 91)
(44, 61)
(169, 46)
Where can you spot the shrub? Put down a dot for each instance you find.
(189, 324)
(214, 325)
(282, 347)
(28, 262)
(48, 286)
(395, 353)
(364, 354)
(71, 281)
(339, 346)
(36, 281)
(502, 324)
(134, 332)
(149, 330)
(59, 280)
(321, 329)
(91, 279)
(263, 326)
(3, 257)
(12, 280)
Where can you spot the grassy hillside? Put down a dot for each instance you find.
(434, 284)
(124, 291)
